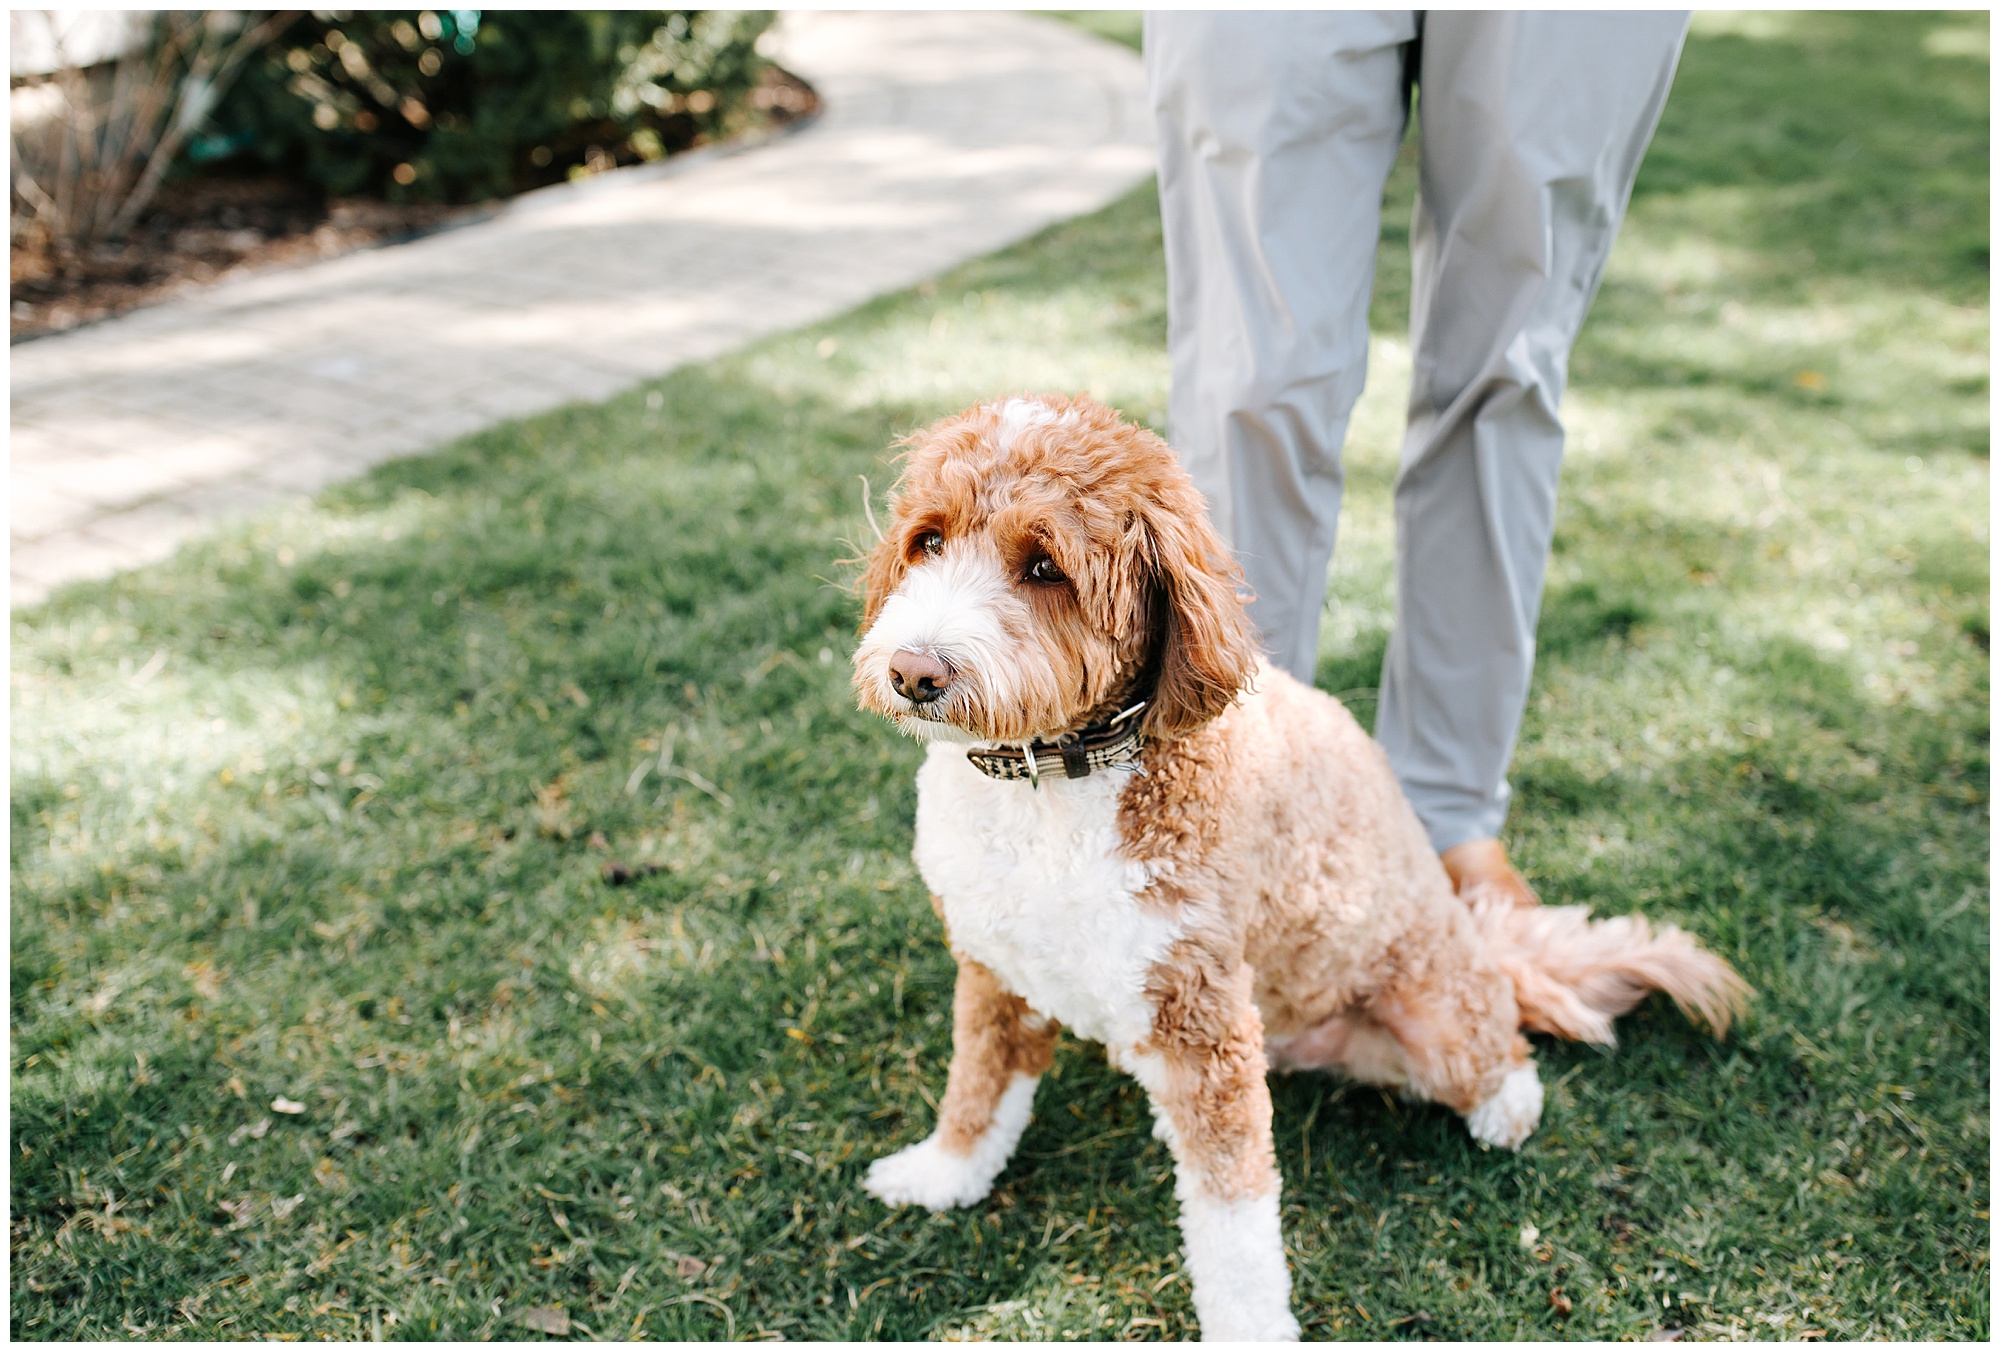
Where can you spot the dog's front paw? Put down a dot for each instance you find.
(1241, 1287)
(1276, 1327)
(928, 1175)
(1512, 1114)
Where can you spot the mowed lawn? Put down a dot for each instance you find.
(317, 815)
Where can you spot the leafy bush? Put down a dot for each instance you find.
(462, 105)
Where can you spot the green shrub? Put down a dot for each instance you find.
(463, 105)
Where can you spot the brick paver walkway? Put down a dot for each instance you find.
(943, 137)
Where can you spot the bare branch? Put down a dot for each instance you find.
(91, 172)
(215, 86)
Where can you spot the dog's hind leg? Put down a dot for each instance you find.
(1203, 1067)
(1000, 1048)
(1459, 1034)
(1407, 1053)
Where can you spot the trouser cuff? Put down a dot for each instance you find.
(1449, 819)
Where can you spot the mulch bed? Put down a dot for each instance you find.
(221, 224)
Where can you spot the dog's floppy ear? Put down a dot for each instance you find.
(1207, 653)
(881, 571)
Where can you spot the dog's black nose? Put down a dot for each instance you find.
(918, 677)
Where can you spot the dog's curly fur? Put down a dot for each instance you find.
(1259, 895)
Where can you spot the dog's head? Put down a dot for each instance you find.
(1044, 563)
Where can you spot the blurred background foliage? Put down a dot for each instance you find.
(464, 105)
(157, 149)
(100, 105)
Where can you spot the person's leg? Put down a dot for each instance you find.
(1533, 125)
(1276, 132)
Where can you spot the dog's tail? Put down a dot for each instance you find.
(1573, 975)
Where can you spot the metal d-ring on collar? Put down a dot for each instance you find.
(1113, 744)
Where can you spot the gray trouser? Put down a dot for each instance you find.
(1277, 131)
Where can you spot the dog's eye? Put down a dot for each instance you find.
(1044, 571)
(930, 542)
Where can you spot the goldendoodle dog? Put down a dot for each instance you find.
(1134, 828)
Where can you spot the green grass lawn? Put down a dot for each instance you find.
(317, 811)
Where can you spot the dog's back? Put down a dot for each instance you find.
(1350, 897)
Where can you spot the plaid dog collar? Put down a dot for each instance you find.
(1112, 744)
